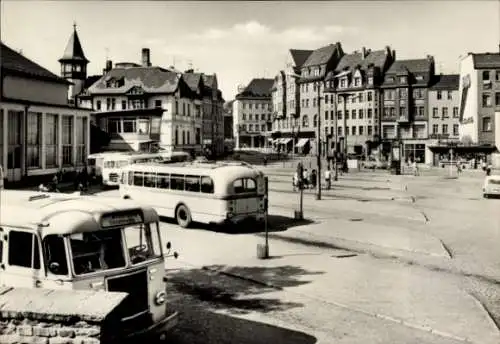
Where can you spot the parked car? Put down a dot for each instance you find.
(491, 186)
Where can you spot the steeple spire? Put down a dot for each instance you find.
(74, 26)
(73, 51)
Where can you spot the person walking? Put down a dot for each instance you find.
(305, 178)
(459, 168)
(415, 168)
(328, 180)
(314, 179)
(295, 181)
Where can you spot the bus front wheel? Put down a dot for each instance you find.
(183, 216)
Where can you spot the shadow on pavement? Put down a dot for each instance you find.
(236, 289)
(198, 325)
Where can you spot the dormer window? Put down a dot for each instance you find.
(343, 82)
(402, 79)
(419, 78)
(357, 81)
(370, 80)
(114, 83)
(390, 79)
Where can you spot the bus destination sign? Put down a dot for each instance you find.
(121, 219)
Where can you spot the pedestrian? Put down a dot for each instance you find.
(415, 168)
(328, 180)
(314, 179)
(295, 181)
(483, 165)
(265, 160)
(459, 168)
(488, 169)
(305, 178)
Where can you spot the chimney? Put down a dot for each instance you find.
(109, 65)
(146, 61)
(387, 50)
(393, 55)
(364, 52)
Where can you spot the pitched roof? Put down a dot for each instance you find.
(486, 60)
(151, 79)
(192, 80)
(300, 56)
(208, 80)
(413, 66)
(445, 82)
(73, 51)
(258, 88)
(321, 55)
(90, 81)
(12, 61)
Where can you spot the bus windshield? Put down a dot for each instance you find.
(103, 250)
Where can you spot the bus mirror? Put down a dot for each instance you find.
(169, 245)
(54, 268)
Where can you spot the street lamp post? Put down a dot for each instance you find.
(318, 144)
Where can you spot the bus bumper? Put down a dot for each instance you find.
(158, 329)
(244, 218)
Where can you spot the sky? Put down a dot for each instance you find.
(243, 40)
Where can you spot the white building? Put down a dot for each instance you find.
(252, 115)
(40, 132)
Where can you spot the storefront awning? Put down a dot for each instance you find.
(302, 142)
(286, 140)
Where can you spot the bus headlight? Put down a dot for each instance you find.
(160, 298)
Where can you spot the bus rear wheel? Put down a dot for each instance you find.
(183, 216)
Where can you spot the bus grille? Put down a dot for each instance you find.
(136, 285)
(113, 177)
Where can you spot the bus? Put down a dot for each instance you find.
(174, 157)
(85, 242)
(211, 193)
(95, 163)
(113, 163)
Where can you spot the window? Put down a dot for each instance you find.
(343, 83)
(370, 80)
(354, 114)
(455, 112)
(129, 126)
(435, 128)
(55, 250)
(455, 130)
(14, 149)
(357, 81)
(393, 112)
(369, 130)
(402, 111)
(369, 96)
(138, 179)
(51, 144)
(34, 140)
(244, 116)
(486, 100)
(207, 185)
(250, 127)
(192, 183)
(67, 140)
(439, 95)
(497, 99)
(354, 130)
(450, 95)
(402, 93)
(315, 121)
(177, 182)
(369, 113)
(307, 103)
(326, 115)
(347, 130)
(402, 79)
(445, 129)
(361, 130)
(361, 115)
(339, 131)
(418, 93)
(339, 114)
(163, 181)
(332, 115)
(158, 103)
(263, 117)
(177, 107)
(486, 75)
(150, 180)
(445, 112)
(81, 139)
(486, 124)
(24, 250)
(244, 185)
(346, 114)
(435, 113)
(98, 105)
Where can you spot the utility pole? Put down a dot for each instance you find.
(318, 148)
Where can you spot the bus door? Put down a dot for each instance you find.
(246, 198)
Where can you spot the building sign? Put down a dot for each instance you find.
(468, 120)
(121, 219)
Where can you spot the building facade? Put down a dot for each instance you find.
(480, 101)
(40, 132)
(405, 114)
(252, 115)
(444, 120)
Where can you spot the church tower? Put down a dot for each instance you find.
(74, 65)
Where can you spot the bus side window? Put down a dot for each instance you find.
(55, 250)
(23, 250)
(193, 183)
(207, 185)
(177, 182)
(138, 178)
(250, 185)
(150, 180)
(163, 181)
(238, 186)
(130, 178)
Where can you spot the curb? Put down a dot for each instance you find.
(350, 308)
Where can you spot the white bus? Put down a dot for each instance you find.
(57, 241)
(95, 163)
(113, 163)
(197, 192)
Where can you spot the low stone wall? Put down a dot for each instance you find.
(44, 316)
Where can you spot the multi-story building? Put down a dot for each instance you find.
(40, 132)
(286, 101)
(444, 121)
(213, 118)
(228, 127)
(312, 101)
(252, 115)
(405, 107)
(352, 99)
(480, 102)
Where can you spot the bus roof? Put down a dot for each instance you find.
(65, 214)
(214, 170)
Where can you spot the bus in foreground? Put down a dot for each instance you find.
(197, 192)
(57, 241)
